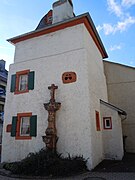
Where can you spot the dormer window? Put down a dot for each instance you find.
(49, 19)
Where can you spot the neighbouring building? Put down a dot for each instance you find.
(121, 87)
(3, 84)
(67, 51)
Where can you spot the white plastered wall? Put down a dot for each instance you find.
(71, 49)
(50, 56)
(97, 91)
(51, 44)
(112, 138)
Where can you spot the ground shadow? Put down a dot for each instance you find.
(127, 164)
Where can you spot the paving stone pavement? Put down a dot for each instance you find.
(6, 175)
(85, 176)
(107, 176)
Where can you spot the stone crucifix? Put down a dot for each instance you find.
(52, 89)
(51, 133)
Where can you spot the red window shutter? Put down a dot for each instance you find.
(97, 121)
(8, 128)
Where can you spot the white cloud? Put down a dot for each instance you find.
(115, 7)
(123, 25)
(99, 28)
(115, 47)
(108, 29)
(119, 27)
(124, 19)
(128, 3)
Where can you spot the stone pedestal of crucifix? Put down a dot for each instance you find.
(51, 133)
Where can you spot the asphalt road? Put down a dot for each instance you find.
(87, 176)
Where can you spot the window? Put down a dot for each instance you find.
(22, 82)
(107, 122)
(24, 126)
(97, 121)
(49, 19)
(69, 77)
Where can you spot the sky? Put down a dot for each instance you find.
(114, 20)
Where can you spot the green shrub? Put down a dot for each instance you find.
(47, 163)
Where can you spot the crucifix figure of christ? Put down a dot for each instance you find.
(51, 138)
(52, 89)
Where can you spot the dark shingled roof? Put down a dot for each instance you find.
(41, 24)
(120, 111)
(44, 22)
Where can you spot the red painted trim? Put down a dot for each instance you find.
(8, 128)
(97, 121)
(82, 20)
(90, 30)
(47, 31)
(104, 123)
(21, 92)
(19, 116)
(23, 72)
(18, 74)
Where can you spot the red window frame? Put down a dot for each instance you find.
(18, 74)
(19, 116)
(104, 123)
(8, 128)
(97, 121)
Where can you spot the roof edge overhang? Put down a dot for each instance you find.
(81, 19)
(120, 111)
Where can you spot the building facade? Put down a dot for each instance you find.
(3, 84)
(67, 51)
(121, 86)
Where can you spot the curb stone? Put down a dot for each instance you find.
(94, 178)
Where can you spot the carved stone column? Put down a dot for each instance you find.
(51, 133)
